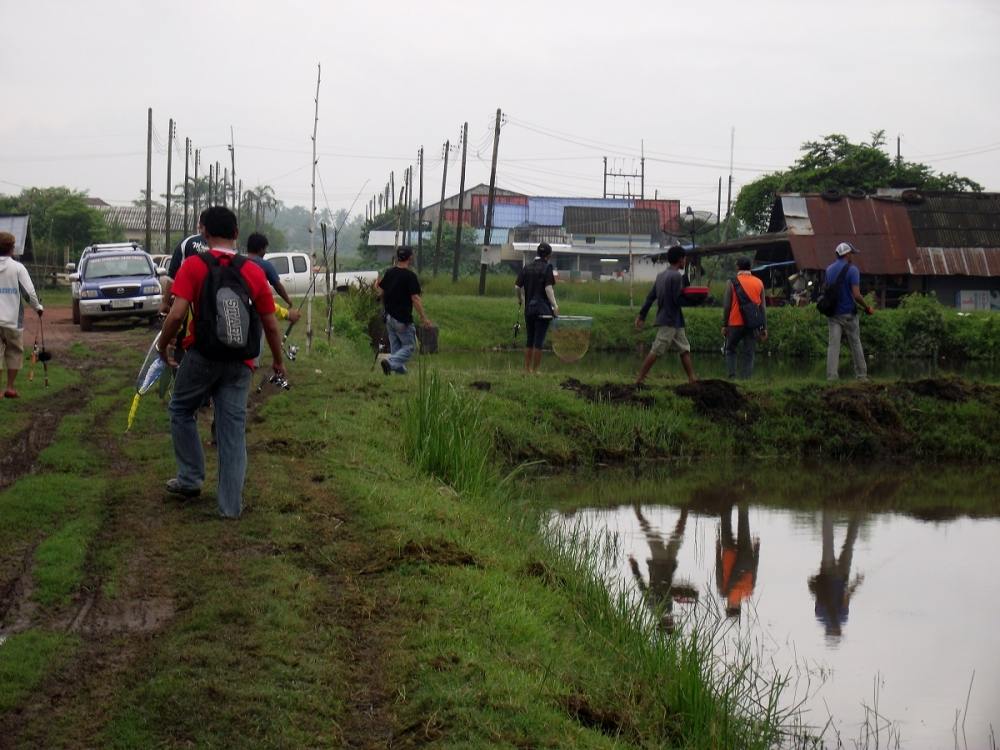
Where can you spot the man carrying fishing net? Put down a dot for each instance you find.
(535, 290)
(15, 284)
(230, 303)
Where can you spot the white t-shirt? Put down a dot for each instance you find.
(15, 287)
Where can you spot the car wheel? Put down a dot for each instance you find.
(86, 323)
(76, 311)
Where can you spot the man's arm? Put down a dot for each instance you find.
(419, 305)
(280, 289)
(550, 293)
(519, 291)
(644, 310)
(727, 303)
(175, 318)
(859, 299)
(28, 289)
(273, 336)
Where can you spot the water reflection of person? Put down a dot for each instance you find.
(830, 586)
(661, 592)
(736, 560)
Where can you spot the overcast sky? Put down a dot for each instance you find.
(576, 80)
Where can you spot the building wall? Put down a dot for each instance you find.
(947, 288)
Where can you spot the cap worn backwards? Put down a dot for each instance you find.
(845, 248)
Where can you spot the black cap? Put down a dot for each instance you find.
(544, 250)
(405, 252)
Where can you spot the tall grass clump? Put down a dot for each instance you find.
(446, 436)
(690, 697)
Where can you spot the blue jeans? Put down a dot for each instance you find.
(735, 335)
(228, 385)
(402, 341)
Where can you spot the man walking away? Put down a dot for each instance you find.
(184, 249)
(256, 249)
(399, 288)
(740, 337)
(670, 334)
(219, 359)
(845, 316)
(15, 286)
(535, 290)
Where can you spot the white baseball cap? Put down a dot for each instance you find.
(845, 248)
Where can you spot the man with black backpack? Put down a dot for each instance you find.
(230, 303)
(839, 301)
(744, 319)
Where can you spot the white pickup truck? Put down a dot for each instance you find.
(296, 274)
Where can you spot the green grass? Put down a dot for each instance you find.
(25, 659)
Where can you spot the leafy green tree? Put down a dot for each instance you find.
(834, 163)
(60, 220)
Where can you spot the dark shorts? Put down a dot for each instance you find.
(535, 328)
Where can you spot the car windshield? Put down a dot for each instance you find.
(117, 265)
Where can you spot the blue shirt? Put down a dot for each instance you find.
(845, 297)
(269, 270)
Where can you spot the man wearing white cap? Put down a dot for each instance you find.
(844, 274)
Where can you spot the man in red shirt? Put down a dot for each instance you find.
(199, 377)
(739, 335)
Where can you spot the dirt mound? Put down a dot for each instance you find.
(430, 552)
(481, 385)
(944, 389)
(606, 721)
(610, 393)
(717, 399)
(868, 405)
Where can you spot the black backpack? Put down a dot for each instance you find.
(227, 327)
(753, 314)
(827, 302)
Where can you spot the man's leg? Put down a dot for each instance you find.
(747, 353)
(13, 355)
(407, 337)
(541, 328)
(529, 337)
(230, 418)
(529, 358)
(853, 330)
(688, 367)
(833, 348)
(733, 336)
(536, 359)
(647, 363)
(195, 378)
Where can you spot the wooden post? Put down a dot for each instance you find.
(197, 191)
(420, 213)
(149, 180)
(187, 155)
(170, 153)
(488, 231)
(312, 218)
(461, 203)
(440, 216)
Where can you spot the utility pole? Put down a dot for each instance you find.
(312, 217)
(605, 177)
(149, 180)
(729, 191)
(631, 265)
(232, 160)
(225, 186)
(440, 216)
(170, 153)
(197, 190)
(395, 204)
(718, 209)
(420, 213)
(461, 204)
(642, 169)
(187, 159)
(489, 206)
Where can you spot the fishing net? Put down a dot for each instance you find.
(570, 336)
(152, 368)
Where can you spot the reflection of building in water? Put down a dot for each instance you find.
(736, 559)
(832, 586)
(660, 592)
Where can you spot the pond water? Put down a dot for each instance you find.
(619, 365)
(866, 608)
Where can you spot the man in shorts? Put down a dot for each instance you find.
(15, 286)
(670, 336)
(534, 288)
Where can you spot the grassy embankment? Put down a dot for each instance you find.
(359, 600)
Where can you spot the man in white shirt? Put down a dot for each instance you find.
(15, 286)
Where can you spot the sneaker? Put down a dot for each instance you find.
(385, 366)
(174, 487)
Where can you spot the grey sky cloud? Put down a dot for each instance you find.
(577, 81)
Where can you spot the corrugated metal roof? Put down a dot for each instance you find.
(133, 218)
(18, 225)
(579, 220)
(508, 216)
(954, 220)
(548, 211)
(956, 261)
(880, 229)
